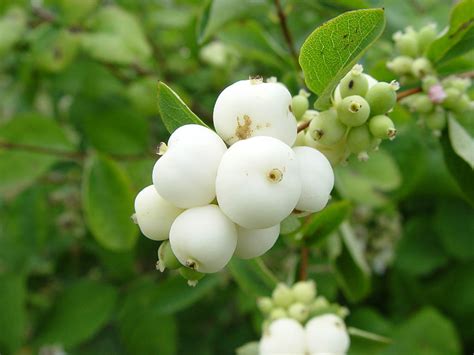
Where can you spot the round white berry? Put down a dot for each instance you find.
(327, 334)
(255, 242)
(154, 215)
(203, 238)
(258, 182)
(185, 175)
(251, 108)
(283, 336)
(317, 179)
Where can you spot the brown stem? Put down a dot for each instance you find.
(303, 125)
(286, 33)
(469, 74)
(408, 92)
(304, 263)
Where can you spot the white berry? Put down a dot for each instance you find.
(203, 238)
(258, 182)
(154, 215)
(185, 175)
(252, 243)
(251, 108)
(327, 334)
(317, 179)
(283, 336)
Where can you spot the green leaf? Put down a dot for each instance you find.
(462, 142)
(419, 251)
(80, 311)
(454, 221)
(461, 171)
(107, 196)
(323, 223)
(217, 13)
(426, 333)
(173, 110)
(333, 49)
(12, 312)
(166, 297)
(252, 276)
(350, 266)
(459, 37)
(32, 135)
(367, 182)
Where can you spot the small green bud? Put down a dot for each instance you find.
(304, 291)
(421, 67)
(401, 65)
(342, 312)
(436, 120)
(406, 43)
(463, 105)
(382, 97)
(453, 96)
(191, 275)
(319, 303)
(462, 84)
(426, 36)
(278, 313)
(353, 110)
(265, 305)
(354, 83)
(429, 81)
(382, 127)
(299, 104)
(282, 295)
(298, 311)
(358, 140)
(166, 257)
(421, 103)
(326, 128)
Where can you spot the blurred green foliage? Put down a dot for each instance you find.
(79, 125)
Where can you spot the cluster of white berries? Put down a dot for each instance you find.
(357, 122)
(298, 322)
(213, 201)
(411, 65)
(438, 98)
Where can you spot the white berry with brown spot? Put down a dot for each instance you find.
(258, 182)
(250, 108)
(327, 334)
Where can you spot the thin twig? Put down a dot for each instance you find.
(286, 33)
(304, 263)
(408, 92)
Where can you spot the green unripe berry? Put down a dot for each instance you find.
(406, 43)
(353, 110)
(453, 96)
(298, 311)
(166, 257)
(304, 291)
(299, 105)
(428, 82)
(463, 105)
(326, 128)
(421, 67)
(426, 36)
(319, 303)
(421, 103)
(191, 275)
(436, 120)
(401, 65)
(300, 139)
(382, 127)
(462, 84)
(382, 97)
(265, 305)
(282, 295)
(359, 139)
(354, 83)
(375, 143)
(278, 313)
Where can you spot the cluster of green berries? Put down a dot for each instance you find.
(438, 98)
(299, 302)
(355, 124)
(411, 65)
